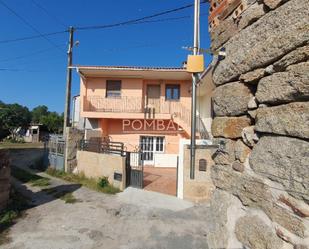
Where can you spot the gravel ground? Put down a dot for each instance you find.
(130, 220)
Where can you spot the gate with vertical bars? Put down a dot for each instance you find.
(134, 169)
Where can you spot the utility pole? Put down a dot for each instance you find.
(67, 107)
(195, 76)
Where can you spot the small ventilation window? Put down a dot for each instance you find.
(202, 165)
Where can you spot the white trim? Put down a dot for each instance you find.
(165, 160)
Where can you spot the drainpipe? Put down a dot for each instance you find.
(195, 78)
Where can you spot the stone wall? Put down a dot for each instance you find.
(73, 138)
(96, 165)
(262, 113)
(5, 174)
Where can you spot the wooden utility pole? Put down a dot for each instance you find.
(195, 76)
(67, 107)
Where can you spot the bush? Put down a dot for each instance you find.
(103, 182)
(16, 140)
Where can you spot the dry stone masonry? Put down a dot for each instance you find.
(261, 108)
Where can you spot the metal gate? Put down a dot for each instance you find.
(56, 149)
(134, 169)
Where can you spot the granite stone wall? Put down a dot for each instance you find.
(261, 106)
(73, 138)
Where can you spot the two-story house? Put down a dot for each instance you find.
(143, 107)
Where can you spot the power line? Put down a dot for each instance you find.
(48, 13)
(33, 37)
(28, 24)
(29, 55)
(129, 22)
(18, 70)
(166, 19)
(133, 21)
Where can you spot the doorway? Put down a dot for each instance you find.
(151, 145)
(153, 97)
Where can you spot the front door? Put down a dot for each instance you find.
(149, 147)
(153, 97)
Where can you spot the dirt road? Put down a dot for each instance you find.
(134, 219)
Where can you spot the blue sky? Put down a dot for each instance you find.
(39, 76)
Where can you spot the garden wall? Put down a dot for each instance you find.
(96, 165)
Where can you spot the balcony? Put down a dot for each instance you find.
(159, 108)
(130, 105)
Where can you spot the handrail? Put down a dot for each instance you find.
(103, 146)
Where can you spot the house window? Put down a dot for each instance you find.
(172, 92)
(113, 88)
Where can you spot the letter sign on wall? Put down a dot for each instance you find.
(202, 165)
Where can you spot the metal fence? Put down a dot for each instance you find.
(56, 149)
(102, 146)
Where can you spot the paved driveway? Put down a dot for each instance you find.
(162, 180)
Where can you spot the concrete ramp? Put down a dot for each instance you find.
(152, 200)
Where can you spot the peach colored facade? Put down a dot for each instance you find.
(120, 118)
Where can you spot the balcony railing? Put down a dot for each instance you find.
(121, 104)
(131, 104)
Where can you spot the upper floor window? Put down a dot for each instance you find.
(113, 88)
(172, 92)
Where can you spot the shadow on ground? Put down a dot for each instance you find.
(45, 195)
(22, 199)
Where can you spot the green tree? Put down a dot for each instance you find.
(39, 112)
(13, 116)
(53, 121)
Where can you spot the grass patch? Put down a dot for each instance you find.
(8, 216)
(91, 183)
(64, 195)
(69, 198)
(27, 177)
(50, 191)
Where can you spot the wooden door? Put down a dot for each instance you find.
(153, 97)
